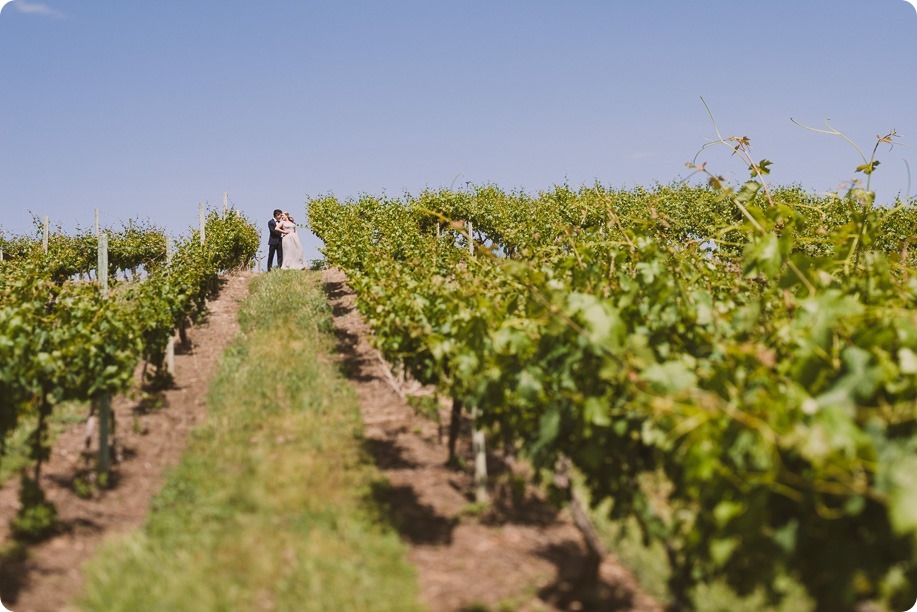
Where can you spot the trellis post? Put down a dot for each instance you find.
(170, 345)
(104, 398)
(477, 434)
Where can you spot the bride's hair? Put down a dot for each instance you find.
(289, 217)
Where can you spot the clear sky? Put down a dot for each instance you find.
(144, 109)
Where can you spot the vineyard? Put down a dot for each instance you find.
(77, 319)
(735, 369)
(731, 372)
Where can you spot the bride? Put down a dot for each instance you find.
(293, 258)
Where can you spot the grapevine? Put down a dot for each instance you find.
(770, 380)
(51, 320)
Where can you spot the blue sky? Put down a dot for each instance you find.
(142, 110)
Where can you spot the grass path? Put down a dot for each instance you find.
(271, 506)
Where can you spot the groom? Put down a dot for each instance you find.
(275, 241)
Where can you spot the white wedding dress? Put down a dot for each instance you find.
(293, 258)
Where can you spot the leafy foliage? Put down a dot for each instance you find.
(756, 349)
(62, 340)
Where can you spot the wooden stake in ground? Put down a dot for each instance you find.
(477, 434)
(104, 399)
(170, 345)
(480, 461)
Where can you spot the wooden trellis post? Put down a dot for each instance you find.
(44, 241)
(104, 399)
(477, 434)
(170, 345)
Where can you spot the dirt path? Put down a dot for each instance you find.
(151, 442)
(519, 556)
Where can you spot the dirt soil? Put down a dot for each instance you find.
(150, 441)
(520, 554)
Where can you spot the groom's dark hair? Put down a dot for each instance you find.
(277, 211)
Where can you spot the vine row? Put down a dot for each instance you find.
(736, 370)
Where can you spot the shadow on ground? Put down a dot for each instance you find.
(416, 522)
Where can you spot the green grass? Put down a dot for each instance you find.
(270, 507)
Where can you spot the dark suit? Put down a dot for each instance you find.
(275, 244)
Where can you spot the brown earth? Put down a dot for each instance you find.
(520, 554)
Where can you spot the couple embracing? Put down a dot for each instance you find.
(284, 242)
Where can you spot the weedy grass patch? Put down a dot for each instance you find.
(270, 505)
